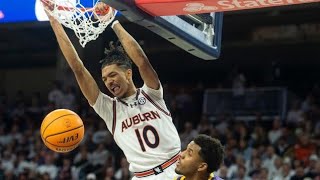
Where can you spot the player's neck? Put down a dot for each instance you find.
(131, 91)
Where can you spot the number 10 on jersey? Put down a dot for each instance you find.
(144, 138)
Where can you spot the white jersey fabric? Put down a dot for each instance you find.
(141, 126)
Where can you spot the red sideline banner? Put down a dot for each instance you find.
(180, 7)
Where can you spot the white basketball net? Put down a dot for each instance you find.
(85, 22)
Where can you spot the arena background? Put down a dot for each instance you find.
(272, 48)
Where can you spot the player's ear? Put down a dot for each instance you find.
(129, 74)
(203, 167)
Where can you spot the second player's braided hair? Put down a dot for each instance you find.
(116, 55)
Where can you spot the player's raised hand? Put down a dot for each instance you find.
(48, 7)
(104, 12)
(101, 8)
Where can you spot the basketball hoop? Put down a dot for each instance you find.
(87, 23)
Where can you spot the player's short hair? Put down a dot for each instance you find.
(212, 151)
(116, 55)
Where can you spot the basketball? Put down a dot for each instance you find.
(62, 130)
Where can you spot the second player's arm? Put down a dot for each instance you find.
(138, 56)
(85, 80)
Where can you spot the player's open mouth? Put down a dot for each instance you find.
(115, 89)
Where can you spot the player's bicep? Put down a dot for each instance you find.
(88, 85)
(149, 75)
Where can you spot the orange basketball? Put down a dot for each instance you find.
(62, 130)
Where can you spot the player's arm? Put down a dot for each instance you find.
(85, 80)
(137, 55)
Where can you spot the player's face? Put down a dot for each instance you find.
(116, 79)
(190, 160)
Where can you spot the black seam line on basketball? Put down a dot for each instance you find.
(55, 120)
(62, 132)
(64, 146)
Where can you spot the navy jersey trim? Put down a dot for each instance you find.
(114, 108)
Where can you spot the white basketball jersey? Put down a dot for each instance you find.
(141, 126)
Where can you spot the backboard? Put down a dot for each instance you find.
(198, 34)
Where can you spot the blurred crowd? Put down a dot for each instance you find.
(274, 149)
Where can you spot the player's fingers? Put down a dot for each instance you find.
(101, 8)
(48, 5)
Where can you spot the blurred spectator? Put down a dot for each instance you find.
(187, 135)
(255, 167)
(229, 158)
(234, 168)
(258, 136)
(7, 162)
(270, 157)
(238, 84)
(238, 88)
(242, 173)
(222, 123)
(275, 133)
(304, 148)
(109, 174)
(1, 171)
(65, 172)
(91, 176)
(295, 114)
(312, 170)
(35, 108)
(101, 135)
(204, 126)
(244, 149)
(223, 172)
(123, 172)
(68, 100)
(56, 95)
(299, 174)
(264, 174)
(308, 103)
(82, 157)
(48, 167)
(286, 172)
(99, 156)
(5, 139)
(275, 170)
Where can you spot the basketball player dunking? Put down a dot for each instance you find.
(137, 117)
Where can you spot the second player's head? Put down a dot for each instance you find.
(116, 70)
(203, 155)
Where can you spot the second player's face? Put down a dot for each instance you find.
(116, 79)
(189, 161)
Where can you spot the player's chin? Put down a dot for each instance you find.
(177, 170)
(118, 94)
